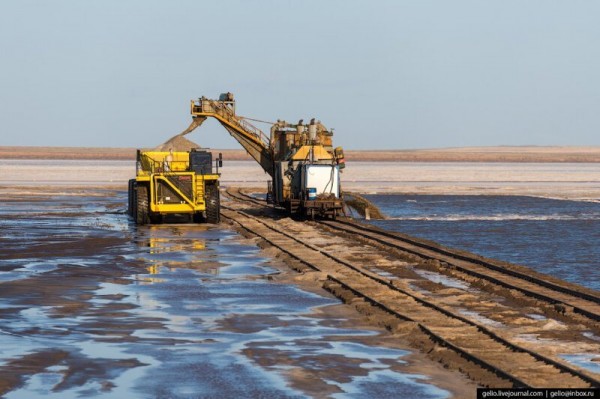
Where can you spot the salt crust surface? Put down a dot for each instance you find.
(579, 181)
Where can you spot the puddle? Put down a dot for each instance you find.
(39, 384)
(259, 196)
(588, 361)
(13, 345)
(22, 269)
(47, 384)
(591, 335)
(383, 273)
(387, 384)
(536, 316)
(418, 289)
(481, 319)
(441, 279)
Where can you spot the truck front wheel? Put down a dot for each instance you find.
(141, 215)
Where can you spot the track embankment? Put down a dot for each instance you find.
(500, 324)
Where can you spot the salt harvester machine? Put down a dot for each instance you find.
(300, 158)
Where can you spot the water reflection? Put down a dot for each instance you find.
(170, 311)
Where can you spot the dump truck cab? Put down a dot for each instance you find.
(182, 183)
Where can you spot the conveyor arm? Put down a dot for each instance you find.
(251, 138)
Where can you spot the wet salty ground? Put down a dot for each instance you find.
(92, 306)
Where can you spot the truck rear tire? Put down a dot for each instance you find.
(141, 215)
(213, 204)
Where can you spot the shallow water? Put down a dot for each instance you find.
(106, 309)
(556, 237)
(588, 361)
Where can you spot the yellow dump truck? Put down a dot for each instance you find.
(175, 183)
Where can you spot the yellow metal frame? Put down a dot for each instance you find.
(155, 162)
(188, 206)
(319, 153)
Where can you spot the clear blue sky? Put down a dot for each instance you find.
(385, 74)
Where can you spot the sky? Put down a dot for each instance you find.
(384, 74)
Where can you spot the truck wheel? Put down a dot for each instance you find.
(141, 215)
(213, 204)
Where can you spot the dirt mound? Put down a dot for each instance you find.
(177, 143)
(180, 143)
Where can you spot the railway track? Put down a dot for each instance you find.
(499, 357)
(585, 303)
(562, 295)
